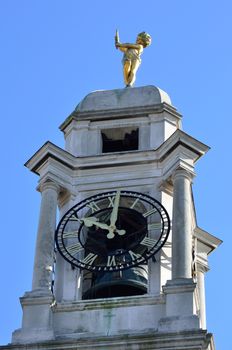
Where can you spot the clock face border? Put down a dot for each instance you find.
(152, 246)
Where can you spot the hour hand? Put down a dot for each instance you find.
(93, 221)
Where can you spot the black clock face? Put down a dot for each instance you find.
(112, 231)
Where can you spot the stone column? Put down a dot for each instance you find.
(201, 269)
(181, 225)
(180, 302)
(45, 237)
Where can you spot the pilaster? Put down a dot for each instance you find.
(200, 274)
(76, 136)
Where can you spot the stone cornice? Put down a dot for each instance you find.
(178, 142)
(180, 138)
(180, 151)
(49, 149)
(209, 241)
(118, 113)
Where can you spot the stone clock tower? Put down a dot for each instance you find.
(124, 268)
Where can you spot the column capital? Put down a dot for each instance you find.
(200, 267)
(49, 184)
(182, 172)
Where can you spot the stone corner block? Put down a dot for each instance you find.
(23, 336)
(178, 323)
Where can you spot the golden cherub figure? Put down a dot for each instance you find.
(131, 58)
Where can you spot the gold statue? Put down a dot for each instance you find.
(131, 58)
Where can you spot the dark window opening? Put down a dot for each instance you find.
(120, 139)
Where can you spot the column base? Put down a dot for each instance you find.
(37, 317)
(30, 335)
(180, 306)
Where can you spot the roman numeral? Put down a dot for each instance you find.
(134, 256)
(70, 234)
(111, 261)
(73, 218)
(135, 202)
(149, 212)
(148, 242)
(75, 248)
(155, 226)
(89, 259)
(111, 201)
(93, 206)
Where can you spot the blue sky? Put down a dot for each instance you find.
(55, 52)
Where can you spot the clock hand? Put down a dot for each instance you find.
(114, 217)
(114, 213)
(92, 220)
(112, 231)
(120, 232)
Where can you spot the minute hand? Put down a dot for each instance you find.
(114, 214)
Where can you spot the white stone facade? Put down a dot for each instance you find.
(172, 313)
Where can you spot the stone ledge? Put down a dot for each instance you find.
(109, 303)
(121, 113)
(178, 323)
(191, 340)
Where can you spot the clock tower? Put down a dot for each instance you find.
(119, 259)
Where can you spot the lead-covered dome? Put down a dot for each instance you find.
(123, 98)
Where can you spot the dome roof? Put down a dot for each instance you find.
(123, 98)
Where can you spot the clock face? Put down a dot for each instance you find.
(112, 231)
